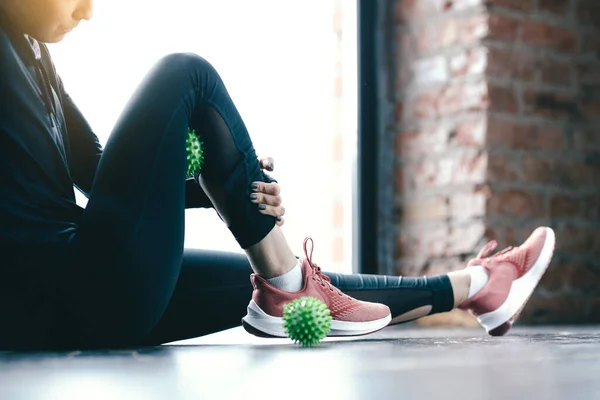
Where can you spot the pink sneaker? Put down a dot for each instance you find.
(350, 317)
(513, 275)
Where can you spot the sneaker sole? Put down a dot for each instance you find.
(261, 324)
(520, 290)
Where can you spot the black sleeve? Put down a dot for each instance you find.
(85, 149)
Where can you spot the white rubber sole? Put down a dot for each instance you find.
(273, 326)
(521, 289)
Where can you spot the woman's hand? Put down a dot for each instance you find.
(266, 195)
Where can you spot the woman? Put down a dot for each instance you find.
(116, 273)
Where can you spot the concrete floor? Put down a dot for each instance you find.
(397, 363)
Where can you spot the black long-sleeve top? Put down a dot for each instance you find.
(46, 148)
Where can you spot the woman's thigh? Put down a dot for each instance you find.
(124, 261)
(211, 295)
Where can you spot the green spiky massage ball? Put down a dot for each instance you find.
(195, 153)
(306, 321)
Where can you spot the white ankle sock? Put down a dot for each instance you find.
(291, 281)
(479, 278)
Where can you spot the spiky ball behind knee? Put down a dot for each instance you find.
(194, 152)
(306, 320)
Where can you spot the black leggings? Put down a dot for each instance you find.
(214, 289)
(126, 279)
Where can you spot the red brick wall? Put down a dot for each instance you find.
(498, 131)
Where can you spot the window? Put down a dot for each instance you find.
(291, 73)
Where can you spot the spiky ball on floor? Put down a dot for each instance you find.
(195, 153)
(306, 320)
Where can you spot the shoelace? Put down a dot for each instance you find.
(317, 273)
(482, 258)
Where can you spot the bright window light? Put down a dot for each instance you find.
(279, 61)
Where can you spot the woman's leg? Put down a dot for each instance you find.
(210, 278)
(126, 256)
(211, 295)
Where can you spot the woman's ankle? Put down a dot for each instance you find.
(461, 282)
(272, 256)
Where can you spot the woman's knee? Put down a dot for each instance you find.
(190, 63)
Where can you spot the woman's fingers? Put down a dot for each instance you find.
(272, 188)
(265, 199)
(273, 211)
(267, 163)
(266, 195)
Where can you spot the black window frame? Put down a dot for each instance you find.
(367, 152)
